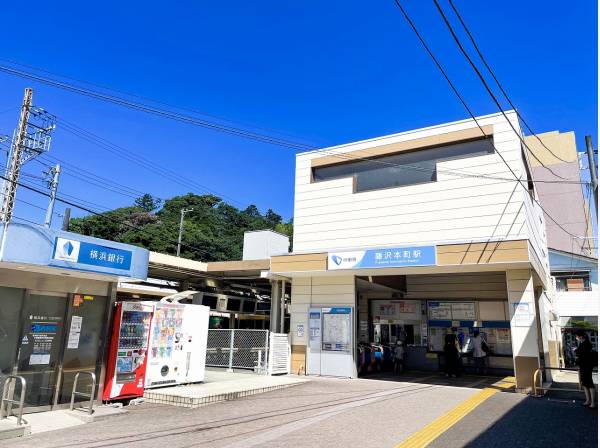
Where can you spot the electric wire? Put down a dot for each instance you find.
(468, 109)
(488, 89)
(263, 138)
(91, 211)
(491, 72)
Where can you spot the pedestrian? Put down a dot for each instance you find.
(480, 352)
(451, 355)
(586, 359)
(399, 358)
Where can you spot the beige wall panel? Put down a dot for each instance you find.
(419, 143)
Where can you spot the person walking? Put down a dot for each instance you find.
(586, 359)
(399, 358)
(480, 352)
(451, 355)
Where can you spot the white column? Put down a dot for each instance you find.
(523, 326)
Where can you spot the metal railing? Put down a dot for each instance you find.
(10, 391)
(238, 349)
(537, 377)
(83, 394)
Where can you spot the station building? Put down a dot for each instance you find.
(414, 235)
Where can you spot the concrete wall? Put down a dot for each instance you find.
(262, 244)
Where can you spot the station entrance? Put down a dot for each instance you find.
(417, 312)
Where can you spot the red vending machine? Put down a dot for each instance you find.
(127, 357)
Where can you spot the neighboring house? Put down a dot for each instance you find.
(573, 258)
(409, 236)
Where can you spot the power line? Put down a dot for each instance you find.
(489, 69)
(468, 109)
(145, 98)
(487, 87)
(88, 210)
(264, 138)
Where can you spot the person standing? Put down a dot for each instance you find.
(451, 355)
(399, 358)
(586, 360)
(480, 351)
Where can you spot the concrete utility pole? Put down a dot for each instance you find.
(14, 163)
(53, 185)
(66, 219)
(592, 164)
(183, 212)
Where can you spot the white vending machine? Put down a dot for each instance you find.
(177, 347)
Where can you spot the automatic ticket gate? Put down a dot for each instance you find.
(330, 342)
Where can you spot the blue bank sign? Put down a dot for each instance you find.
(91, 254)
(389, 257)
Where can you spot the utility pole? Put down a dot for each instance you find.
(593, 175)
(53, 185)
(14, 163)
(66, 219)
(183, 212)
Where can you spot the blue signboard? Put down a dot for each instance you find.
(383, 258)
(82, 252)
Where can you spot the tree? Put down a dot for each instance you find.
(147, 202)
(214, 230)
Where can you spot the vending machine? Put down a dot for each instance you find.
(177, 347)
(128, 351)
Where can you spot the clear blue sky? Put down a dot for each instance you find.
(318, 72)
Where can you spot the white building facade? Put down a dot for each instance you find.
(415, 235)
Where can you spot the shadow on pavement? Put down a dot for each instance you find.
(437, 379)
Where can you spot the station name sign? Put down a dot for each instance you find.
(388, 257)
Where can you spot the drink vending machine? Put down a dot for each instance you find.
(177, 347)
(128, 351)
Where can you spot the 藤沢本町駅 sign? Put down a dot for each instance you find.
(382, 258)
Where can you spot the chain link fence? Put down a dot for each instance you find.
(238, 349)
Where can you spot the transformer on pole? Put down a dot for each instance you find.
(31, 138)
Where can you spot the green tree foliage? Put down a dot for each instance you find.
(213, 230)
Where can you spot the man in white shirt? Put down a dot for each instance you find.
(480, 351)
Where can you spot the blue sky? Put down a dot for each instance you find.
(321, 73)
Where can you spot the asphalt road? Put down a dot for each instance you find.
(336, 412)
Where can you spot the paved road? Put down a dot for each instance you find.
(339, 413)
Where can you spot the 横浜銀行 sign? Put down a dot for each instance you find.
(382, 258)
(82, 252)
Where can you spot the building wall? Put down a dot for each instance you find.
(308, 291)
(565, 202)
(329, 215)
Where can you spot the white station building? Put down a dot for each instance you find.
(414, 235)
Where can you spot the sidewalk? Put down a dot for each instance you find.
(220, 386)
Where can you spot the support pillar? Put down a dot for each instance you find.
(523, 326)
(275, 306)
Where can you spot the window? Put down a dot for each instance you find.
(408, 168)
(233, 304)
(210, 301)
(248, 306)
(530, 186)
(572, 281)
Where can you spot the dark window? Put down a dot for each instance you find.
(248, 306)
(396, 170)
(210, 301)
(233, 304)
(530, 186)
